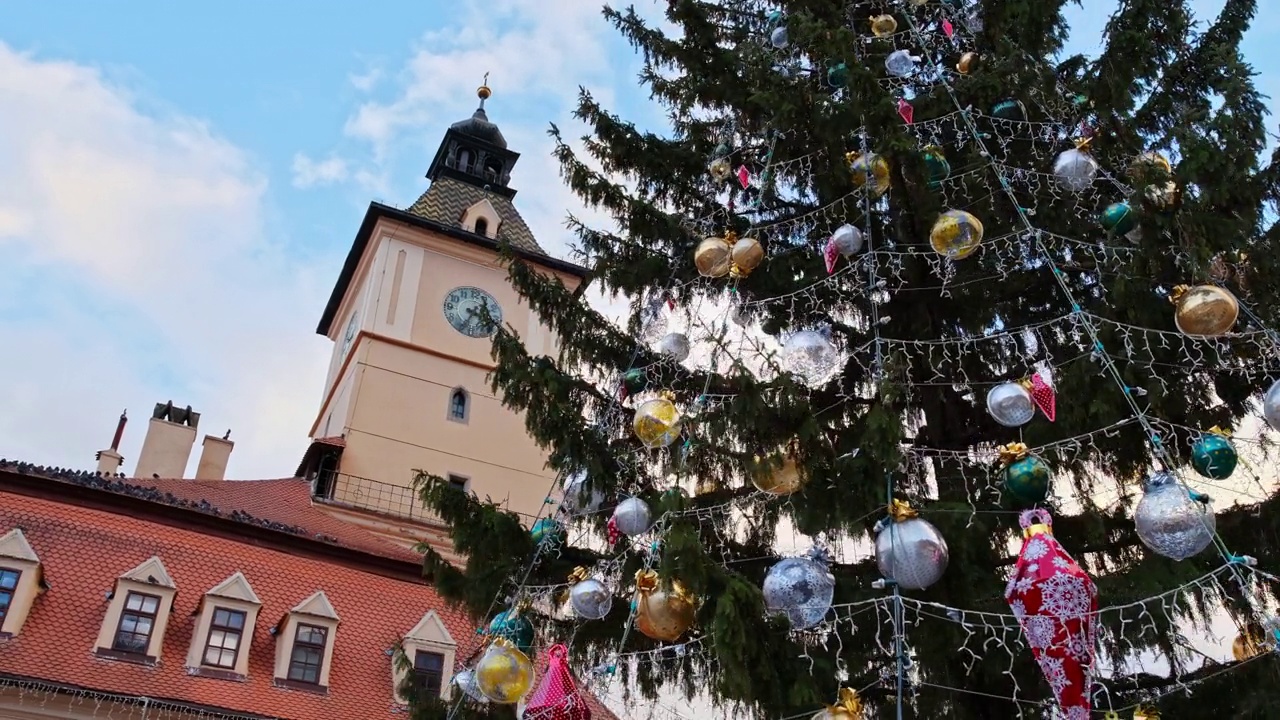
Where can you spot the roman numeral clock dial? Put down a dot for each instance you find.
(465, 309)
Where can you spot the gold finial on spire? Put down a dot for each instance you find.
(483, 91)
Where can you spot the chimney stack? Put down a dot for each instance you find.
(110, 460)
(214, 457)
(170, 436)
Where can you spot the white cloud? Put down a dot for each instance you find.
(366, 81)
(311, 173)
(137, 270)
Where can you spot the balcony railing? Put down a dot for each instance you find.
(364, 494)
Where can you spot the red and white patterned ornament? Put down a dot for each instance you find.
(556, 697)
(1056, 604)
(1043, 395)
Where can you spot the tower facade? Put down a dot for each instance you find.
(411, 318)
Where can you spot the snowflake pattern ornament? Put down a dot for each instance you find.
(1055, 602)
(556, 697)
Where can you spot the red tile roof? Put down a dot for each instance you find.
(84, 550)
(286, 502)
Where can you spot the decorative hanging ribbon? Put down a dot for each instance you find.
(848, 704)
(647, 581)
(1012, 453)
(1215, 430)
(901, 511)
(578, 575)
(1175, 295)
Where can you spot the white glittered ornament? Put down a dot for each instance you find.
(810, 355)
(577, 499)
(465, 679)
(1271, 406)
(1011, 404)
(911, 552)
(1075, 170)
(590, 599)
(778, 38)
(800, 588)
(847, 240)
(1170, 521)
(674, 346)
(632, 517)
(653, 321)
(900, 63)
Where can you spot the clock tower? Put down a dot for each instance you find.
(411, 317)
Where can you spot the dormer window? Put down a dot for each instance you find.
(430, 654)
(481, 218)
(20, 581)
(224, 626)
(459, 405)
(137, 614)
(225, 635)
(304, 645)
(482, 227)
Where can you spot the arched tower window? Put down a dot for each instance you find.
(459, 405)
(482, 227)
(466, 160)
(492, 170)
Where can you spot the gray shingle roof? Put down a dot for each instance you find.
(447, 199)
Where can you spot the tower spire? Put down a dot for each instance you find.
(483, 92)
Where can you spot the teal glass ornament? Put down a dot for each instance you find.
(515, 627)
(634, 381)
(548, 530)
(1010, 109)
(838, 75)
(1027, 480)
(1119, 218)
(1213, 456)
(935, 163)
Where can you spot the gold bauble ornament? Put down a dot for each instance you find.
(1149, 162)
(657, 422)
(504, 674)
(712, 257)
(779, 475)
(883, 25)
(1163, 196)
(956, 234)
(1204, 310)
(745, 256)
(720, 169)
(1248, 644)
(663, 614)
(848, 707)
(869, 170)
(968, 63)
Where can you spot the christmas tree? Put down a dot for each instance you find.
(900, 272)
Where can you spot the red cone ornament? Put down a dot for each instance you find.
(556, 697)
(1056, 604)
(1043, 395)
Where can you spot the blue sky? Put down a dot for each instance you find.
(180, 182)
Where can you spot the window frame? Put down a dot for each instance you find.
(297, 643)
(481, 226)
(461, 482)
(466, 406)
(154, 617)
(11, 592)
(422, 676)
(226, 630)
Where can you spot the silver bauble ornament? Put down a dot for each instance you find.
(911, 552)
(800, 588)
(779, 37)
(810, 355)
(674, 346)
(1075, 170)
(900, 63)
(653, 321)
(632, 517)
(1170, 522)
(847, 240)
(1010, 404)
(590, 599)
(1271, 406)
(465, 679)
(577, 499)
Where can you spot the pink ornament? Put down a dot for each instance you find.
(829, 255)
(1044, 397)
(947, 28)
(556, 697)
(1056, 603)
(744, 176)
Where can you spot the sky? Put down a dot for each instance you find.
(180, 183)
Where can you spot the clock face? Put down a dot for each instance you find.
(350, 335)
(462, 308)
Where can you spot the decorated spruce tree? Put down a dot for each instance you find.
(943, 346)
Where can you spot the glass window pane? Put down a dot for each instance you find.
(128, 623)
(149, 605)
(133, 602)
(236, 620)
(220, 617)
(232, 641)
(8, 579)
(216, 638)
(211, 656)
(428, 661)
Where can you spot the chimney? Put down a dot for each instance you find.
(110, 460)
(214, 456)
(170, 436)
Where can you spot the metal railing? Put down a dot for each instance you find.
(364, 494)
